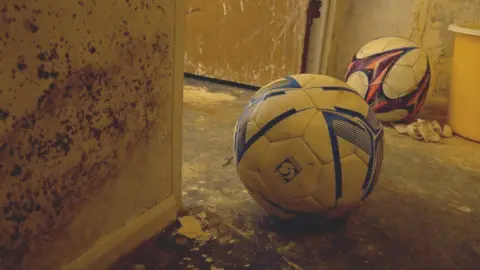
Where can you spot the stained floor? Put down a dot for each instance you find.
(424, 214)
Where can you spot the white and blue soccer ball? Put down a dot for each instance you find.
(308, 144)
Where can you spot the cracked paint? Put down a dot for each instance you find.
(253, 42)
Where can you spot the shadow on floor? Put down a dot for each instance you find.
(423, 214)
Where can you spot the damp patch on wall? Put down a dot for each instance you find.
(83, 83)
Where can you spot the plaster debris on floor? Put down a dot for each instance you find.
(201, 95)
(192, 228)
(427, 131)
(424, 211)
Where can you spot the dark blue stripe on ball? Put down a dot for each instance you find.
(287, 82)
(243, 146)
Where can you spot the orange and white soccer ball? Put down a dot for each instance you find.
(393, 75)
(308, 145)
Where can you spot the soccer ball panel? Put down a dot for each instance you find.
(410, 58)
(345, 148)
(253, 182)
(253, 154)
(359, 82)
(325, 189)
(271, 207)
(290, 82)
(259, 93)
(353, 169)
(261, 194)
(321, 81)
(352, 102)
(390, 92)
(304, 79)
(362, 155)
(397, 43)
(378, 45)
(279, 106)
(252, 129)
(317, 138)
(290, 169)
(271, 87)
(291, 127)
(401, 80)
(322, 99)
(420, 67)
(372, 48)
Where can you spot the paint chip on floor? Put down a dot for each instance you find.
(200, 95)
(191, 228)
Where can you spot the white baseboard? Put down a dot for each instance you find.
(109, 249)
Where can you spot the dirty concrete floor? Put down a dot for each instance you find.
(424, 214)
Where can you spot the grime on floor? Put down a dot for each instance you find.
(423, 215)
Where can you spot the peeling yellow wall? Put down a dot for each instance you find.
(246, 41)
(424, 21)
(85, 122)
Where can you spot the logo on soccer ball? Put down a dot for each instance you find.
(288, 169)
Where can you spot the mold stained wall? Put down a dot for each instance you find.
(424, 21)
(85, 122)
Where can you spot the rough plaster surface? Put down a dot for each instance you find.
(430, 29)
(246, 41)
(85, 91)
(424, 21)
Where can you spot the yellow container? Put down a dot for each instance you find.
(464, 100)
